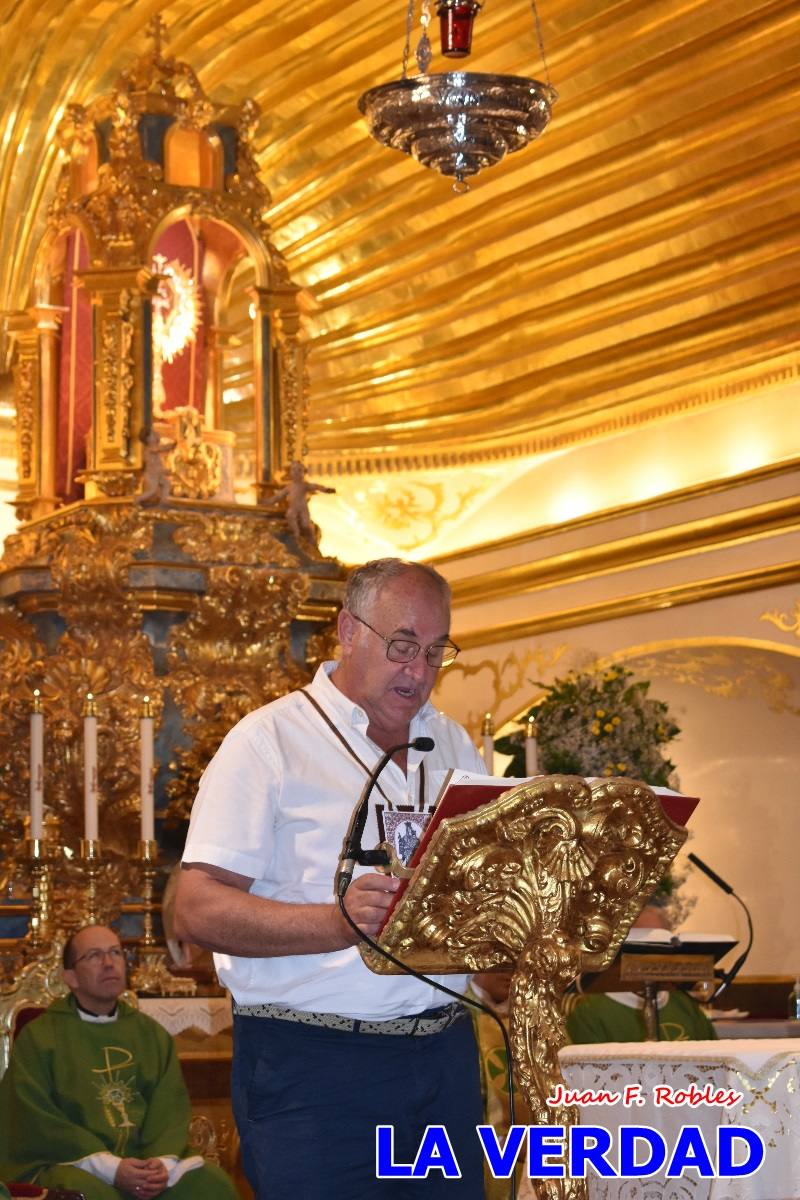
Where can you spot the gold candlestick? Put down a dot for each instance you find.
(92, 862)
(152, 974)
(41, 855)
(148, 857)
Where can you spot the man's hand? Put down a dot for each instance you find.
(367, 900)
(141, 1178)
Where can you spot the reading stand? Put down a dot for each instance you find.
(650, 965)
(546, 879)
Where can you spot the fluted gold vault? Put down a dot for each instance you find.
(643, 248)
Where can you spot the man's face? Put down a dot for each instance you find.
(97, 975)
(392, 693)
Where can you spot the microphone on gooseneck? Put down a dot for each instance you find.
(704, 867)
(351, 846)
(727, 976)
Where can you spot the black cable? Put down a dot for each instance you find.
(729, 976)
(456, 996)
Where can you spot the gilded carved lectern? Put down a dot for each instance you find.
(546, 879)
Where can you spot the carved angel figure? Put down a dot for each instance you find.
(155, 477)
(296, 493)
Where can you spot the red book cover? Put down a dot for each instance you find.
(464, 791)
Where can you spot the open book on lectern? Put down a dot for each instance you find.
(463, 791)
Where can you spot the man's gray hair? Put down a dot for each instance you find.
(365, 583)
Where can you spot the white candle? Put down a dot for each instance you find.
(37, 767)
(488, 742)
(146, 772)
(90, 828)
(531, 749)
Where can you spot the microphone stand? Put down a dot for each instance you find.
(727, 976)
(352, 854)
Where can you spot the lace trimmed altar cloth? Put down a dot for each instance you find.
(767, 1074)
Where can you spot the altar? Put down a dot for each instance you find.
(764, 1072)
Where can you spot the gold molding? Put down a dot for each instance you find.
(642, 549)
(626, 415)
(696, 491)
(631, 606)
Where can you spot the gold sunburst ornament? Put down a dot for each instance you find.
(176, 317)
(460, 121)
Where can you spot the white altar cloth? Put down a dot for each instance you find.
(208, 1014)
(766, 1072)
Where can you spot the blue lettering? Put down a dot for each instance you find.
(435, 1154)
(690, 1151)
(543, 1141)
(726, 1167)
(501, 1162)
(589, 1144)
(385, 1166)
(629, 1135)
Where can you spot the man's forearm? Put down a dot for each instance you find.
(229, 920)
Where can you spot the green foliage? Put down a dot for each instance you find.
(599, 723)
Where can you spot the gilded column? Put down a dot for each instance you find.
(118, 410)
(291, 372)
(27, 396)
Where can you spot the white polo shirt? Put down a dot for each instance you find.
(274, 804)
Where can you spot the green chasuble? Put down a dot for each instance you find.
(75, 1088)
(600, 1018)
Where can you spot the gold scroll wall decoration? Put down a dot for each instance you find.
(546, 879)
(730, 672)
(508, 677)
(414, 512)
(786, 622)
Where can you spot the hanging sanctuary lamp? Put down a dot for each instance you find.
(459, 121)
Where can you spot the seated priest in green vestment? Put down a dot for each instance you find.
(619, 1016)
(94, 1099)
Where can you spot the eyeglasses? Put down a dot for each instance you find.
(97, 956)
(403, 650)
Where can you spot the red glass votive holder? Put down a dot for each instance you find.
(456, 18)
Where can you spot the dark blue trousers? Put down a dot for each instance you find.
(307, 1101)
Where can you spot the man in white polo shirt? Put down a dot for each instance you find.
(325, 1050)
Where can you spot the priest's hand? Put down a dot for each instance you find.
(141, 1178)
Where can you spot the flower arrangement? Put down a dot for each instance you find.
(603, 723)
(599, 723)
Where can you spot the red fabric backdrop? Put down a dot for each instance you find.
(75, 373)
(184, 377)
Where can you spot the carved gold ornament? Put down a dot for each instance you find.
(231, 656)
(176, 318)
(546, 879)
(195, 465)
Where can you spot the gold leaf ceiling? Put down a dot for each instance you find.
(643, 251)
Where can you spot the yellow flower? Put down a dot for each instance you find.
(596, 729)
(608, 727)
(608, 770)
(622, 766)
(615, 720)
(601, 712)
